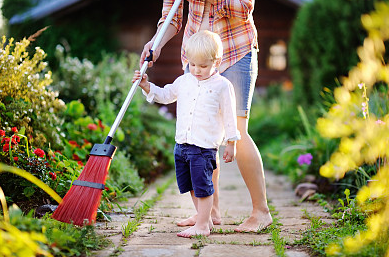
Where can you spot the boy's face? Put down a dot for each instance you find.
(202, 68)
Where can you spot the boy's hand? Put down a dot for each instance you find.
(229, 152)
(144, 84)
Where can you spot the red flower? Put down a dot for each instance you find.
(17, 138)
(39, 152)
(80, 163)
(2, 133)
(76, 157)
(6, 148)
(53, 175)
(92, 126)
(101, 125)
(5, 140)
(73, 143)
(15, 130)
(16, 159)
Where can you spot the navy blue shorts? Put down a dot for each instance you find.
(194, 169)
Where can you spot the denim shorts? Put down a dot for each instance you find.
(243, 75)
(194, 169)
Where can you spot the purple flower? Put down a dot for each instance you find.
(304, 159)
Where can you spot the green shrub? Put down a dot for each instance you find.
(124, 175)
(146, 136)
(53, 169)
(273, 115)
(82, 132)
(85, 34)
(12, 7)
(323, 44)
(60, 239)
(25, 100)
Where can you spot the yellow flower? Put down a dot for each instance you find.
(327, 170)
(363, 194)
(333, 249)
(342, 95)
(351, 245)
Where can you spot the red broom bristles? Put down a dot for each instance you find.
(79, 206)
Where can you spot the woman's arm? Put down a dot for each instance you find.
(173, 28)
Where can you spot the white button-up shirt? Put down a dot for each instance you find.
(206, 109)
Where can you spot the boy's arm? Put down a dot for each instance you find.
(144, 84)
(165, 95)
(228, 112)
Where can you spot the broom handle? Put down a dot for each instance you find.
(143, 69)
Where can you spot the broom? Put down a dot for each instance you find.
(79, 205)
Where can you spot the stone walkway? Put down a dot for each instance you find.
(156, 237)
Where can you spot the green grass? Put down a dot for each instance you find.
(320, 235)
(279, 242)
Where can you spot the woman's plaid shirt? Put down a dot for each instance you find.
(231, 19)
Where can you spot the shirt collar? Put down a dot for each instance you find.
(215, 75)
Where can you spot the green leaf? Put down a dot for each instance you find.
(81, 153)
(10, 115)
(75, 109)
(347, 193)
(84, 121)
(29, 191)
(120, 135)
(22, 131)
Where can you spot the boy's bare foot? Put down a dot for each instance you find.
(193, 231)
(188, 222)
(255, 224)
(191, 221)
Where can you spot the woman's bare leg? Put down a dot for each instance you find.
(250, 165)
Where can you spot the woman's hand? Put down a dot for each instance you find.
(146, 53)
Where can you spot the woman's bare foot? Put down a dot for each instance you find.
(191, 221)
(193, 231)
(255, 224)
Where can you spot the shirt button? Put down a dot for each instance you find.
(188, 129)
(190, 113)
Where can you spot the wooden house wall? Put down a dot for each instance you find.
(272, 18)
(136, 24)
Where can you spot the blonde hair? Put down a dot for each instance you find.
(204, 44)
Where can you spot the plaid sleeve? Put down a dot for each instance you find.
(177, 18)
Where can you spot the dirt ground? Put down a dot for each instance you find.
(156, 236)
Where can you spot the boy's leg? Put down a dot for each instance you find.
(215, 213)
(203, 219)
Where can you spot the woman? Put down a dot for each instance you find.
(233, 21)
